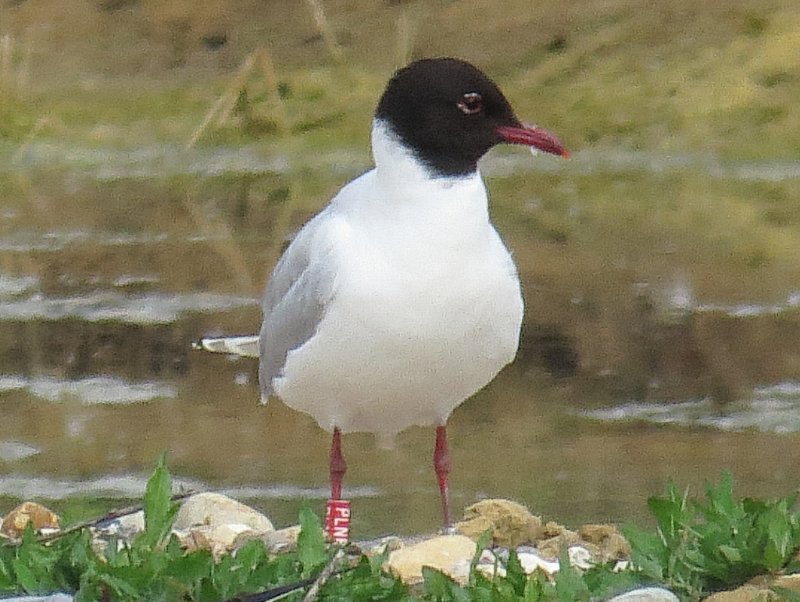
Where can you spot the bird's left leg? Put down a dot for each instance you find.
(441, 464)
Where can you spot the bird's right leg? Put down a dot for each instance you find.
(337, 465)
(337, 512)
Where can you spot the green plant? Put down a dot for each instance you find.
(699, 546)
(717, 543)
(155, 567)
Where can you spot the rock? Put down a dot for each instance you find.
(215, 509)
(758, 588)
(531, 561)
(48, 598)
(581, 557)
(511, 523)
(125, 527)
(646, 594)
(390, 543)
(551, 547)
(446, 553)
(611, 544)
(553, 529)
(791, 582)
(219, 539)
(195, 538)
(746, 593)
(279, 541)
(492, 562)
(41, 517)
(225, 535)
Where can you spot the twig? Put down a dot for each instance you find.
(275, 593)
(324, 29)
(267, 67)
(326, 573)
(111, 515)
(221, 238)
(6, 62)
(227, 100)
(281, 591)
(24, 68)
(405, 39)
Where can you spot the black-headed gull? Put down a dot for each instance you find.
(399, 300)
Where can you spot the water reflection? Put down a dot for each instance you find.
(100, 301)
(771, 409)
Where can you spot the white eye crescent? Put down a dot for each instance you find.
(471, 103)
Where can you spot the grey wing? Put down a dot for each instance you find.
(298, 293)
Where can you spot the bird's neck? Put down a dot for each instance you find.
(400, 172)
(417, 212)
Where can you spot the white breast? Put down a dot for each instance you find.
(426, 310)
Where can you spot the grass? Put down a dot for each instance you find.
(699, 546)
(702, 82)
(679, 76)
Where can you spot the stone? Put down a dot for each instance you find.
(492, 562)
(214, 509)
(646, 594)
(611, 543)
(791, 582)
(125, 527)
(279, 541)
(746, 593)
(195, 538)
(390, 543)
(551, 547)
(553, 529)
(446, 553)
(42, 519)
(531, 561)
(219, 539)
(48, 598)
(460, 570)
(581, 557)
(226, 535)
(511, 524)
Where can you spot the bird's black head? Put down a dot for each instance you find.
(450, 114)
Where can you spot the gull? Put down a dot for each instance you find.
(399, 300)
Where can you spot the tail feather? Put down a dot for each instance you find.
(243, 346)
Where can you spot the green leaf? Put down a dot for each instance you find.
(569, 583)
(730, 553)
(535, 588)
(604, 582)
(191, 568)
(121, 587)
(159, 510)
(310, 542)
(25, 576)
(515, 574)
(439, 586)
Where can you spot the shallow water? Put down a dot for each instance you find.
(653, 348)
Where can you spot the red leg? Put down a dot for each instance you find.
(337, 464)
(441, 464)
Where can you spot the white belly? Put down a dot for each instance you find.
(403, 347)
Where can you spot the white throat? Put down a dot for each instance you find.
(400, 173)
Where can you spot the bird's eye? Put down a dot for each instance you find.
(471, 103)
